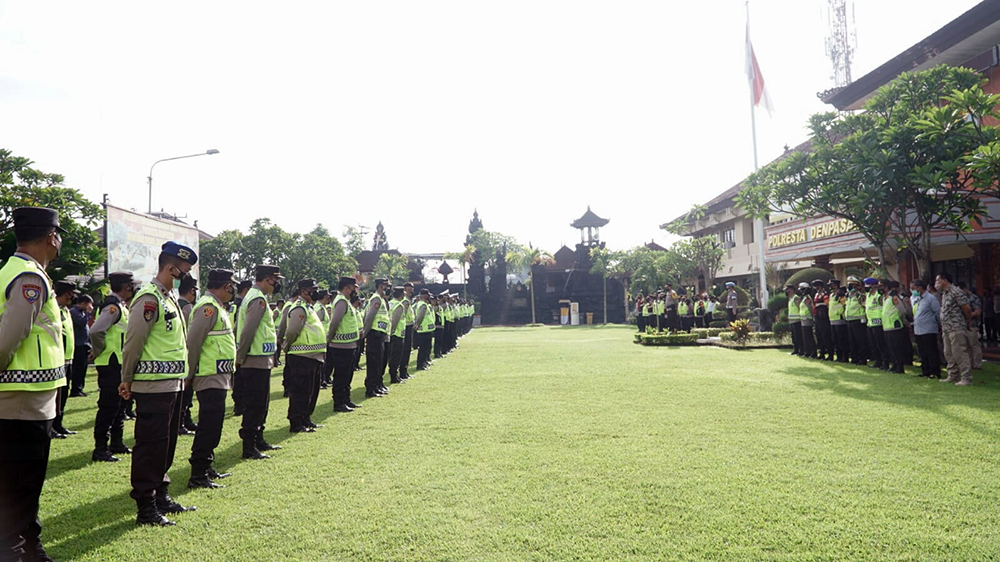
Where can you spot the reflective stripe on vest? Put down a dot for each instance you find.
(312, 338)
(873, 310)
(265, 341)
(218, 351)
(427, 323)
(855, 310)
(164, 355)
(39, 361)
(836, 310)
(381, 323)
(891, 320)
(347, 330)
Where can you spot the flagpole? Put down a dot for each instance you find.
(758, 224)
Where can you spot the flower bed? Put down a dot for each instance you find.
(756, 340)
(667, 339)
(705, 333)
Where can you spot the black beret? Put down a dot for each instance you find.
(180, 251)
(36, 217)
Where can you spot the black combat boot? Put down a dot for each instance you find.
(149, 515)
(166, 504)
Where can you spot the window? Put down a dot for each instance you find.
(727, 238)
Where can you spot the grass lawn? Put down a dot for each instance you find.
(575, 444)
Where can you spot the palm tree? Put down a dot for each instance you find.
(526, 258)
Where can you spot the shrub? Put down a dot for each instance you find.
(809, 275)
(741, 330)
(781, 328)
(719, 324)
(669, 339)
(746, 315)
(778, 303)
(719, 315)
(702, 333)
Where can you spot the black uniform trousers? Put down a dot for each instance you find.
(438, 337)
(396, 345)
(930, 359)
(237, 385)
(408, 345)
(328, 368)
(796, 329)
(211, 413)
(303, 386)
(446, 338)
(343, 373)
(157, 422)
(894, 340)
(824, 336)
(358, 352)
(24, 458)
(256, 385)
(673, 321)
(423, 349)
(374, 366)
(81, 357)
(876, 343)
(808, 341)
(841, 342)
(188, 401)
(110, 419)
(62, 396)
(858, 342)
(640, 322)
(385, 358)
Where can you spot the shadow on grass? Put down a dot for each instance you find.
(908, 390)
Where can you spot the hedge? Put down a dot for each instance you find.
(705, 333)
(758, 339)
(719, 324)
(668, 339)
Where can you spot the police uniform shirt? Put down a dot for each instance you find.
(202, 322)
(421, 311)
(731, 299)
(139, 327)
(339, 311)
(373, 305)
(397, 317)
(108, 316)
(15, 325)
(255, 314)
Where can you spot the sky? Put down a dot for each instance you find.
(416, 113)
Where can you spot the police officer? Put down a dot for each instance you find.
(241, 292)
(154, 365)
(856, 321)
(376, 333)
(424, 325)
(410, 341)
(322, 300)
(255, 351)
(794, 320)
(211, 347)
(732, 302)
(873, 315)
(66, 293)
(305, 352)
(838, 321)
(32, 369)
(343, 337)
(397, 334)
(107, 338)
(806, 321)
(895, 329)
(438, 325)
(824, 335)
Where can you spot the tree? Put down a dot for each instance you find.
(265, 243)
(905, 167)
(23, 186)
(524, 257)
(704, 253)
(392, 267)
(223, 252)
(318, 255)
(354, 240)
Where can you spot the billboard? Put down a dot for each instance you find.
(134, 241)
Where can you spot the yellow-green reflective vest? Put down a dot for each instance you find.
(312, 338)
(265, 341)
(891, 320)
(427, 323)
(647, 309)
(682, 309)
(409, 314)
(359, 319)
(218, 351)
(348, 329)
(164, 356)
(381, 323)
(805, 310)
(837, 309)
(873, 309)
(68, 334)
(327, 314)
(855, 310)
(400, 330)
(114, 337)
(793, 309)
(39, 363)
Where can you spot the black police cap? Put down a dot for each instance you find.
(63, 287)
(221, 276)
(121, 277)
(307, 284)
(268, 270)
(36, 217)
(243, 285)
(381, 281)
(346, 282)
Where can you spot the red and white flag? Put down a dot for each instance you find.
(757, 88)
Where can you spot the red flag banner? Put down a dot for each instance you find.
(760, 95)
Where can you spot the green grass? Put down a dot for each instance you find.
(576, 444)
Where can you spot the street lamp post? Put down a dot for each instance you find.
(208, 152)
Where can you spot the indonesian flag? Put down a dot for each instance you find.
(757, 88)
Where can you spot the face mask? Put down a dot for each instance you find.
(277, 287)
(232, 294)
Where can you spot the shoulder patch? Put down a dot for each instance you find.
(112, 309)
(148, 309)
(209, 311)
(263, 304)
(31, 292)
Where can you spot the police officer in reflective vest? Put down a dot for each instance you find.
(342, 338)
(255, 355)
(873, 315)
(241, 292)
(322, 304)
(211, 347)
(305, 351)
(107, 338)
(838, 321)
(32, 369)
(856, 321)
(376, 333)
(154, 365)
(424, 323)
(66, 293)
(397, 334)
(794, 320)
(410, 344)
